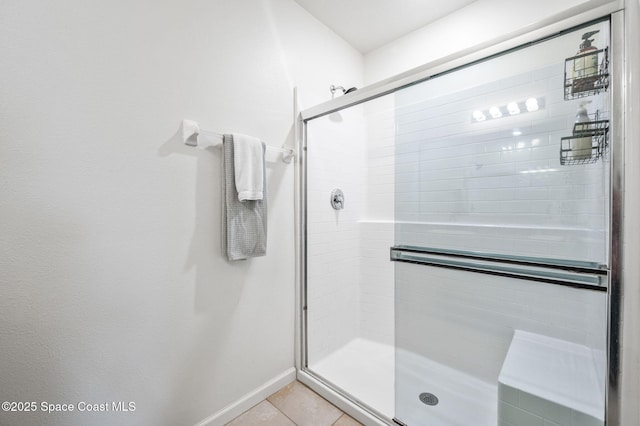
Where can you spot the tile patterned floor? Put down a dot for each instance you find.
(294, 405)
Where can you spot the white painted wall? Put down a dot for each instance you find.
(480, 22)
(113, 283)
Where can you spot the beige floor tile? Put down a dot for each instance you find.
(263, 414)
(345, 420)
(304, 407)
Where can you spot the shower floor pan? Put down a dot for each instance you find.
(365, 369)
(462, 399)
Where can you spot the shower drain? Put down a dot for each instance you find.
(428, 398)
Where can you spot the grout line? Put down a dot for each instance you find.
(342, 413)
(337, 420)
(282, 412)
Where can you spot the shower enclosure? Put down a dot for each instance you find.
(456, 239)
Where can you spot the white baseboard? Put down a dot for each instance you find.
(233, 410)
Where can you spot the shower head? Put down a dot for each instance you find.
(334, 88)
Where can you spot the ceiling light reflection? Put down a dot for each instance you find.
(479, 115)
(509, 109)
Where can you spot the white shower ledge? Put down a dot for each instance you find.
(555, 370)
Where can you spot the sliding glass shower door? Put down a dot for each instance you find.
(501, 238)
(456, 242)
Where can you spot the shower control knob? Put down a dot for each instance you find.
(337, 199)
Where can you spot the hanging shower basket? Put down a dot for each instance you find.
(578, 84)
(587, 144)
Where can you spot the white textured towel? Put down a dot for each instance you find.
(244, 232)
(248, 161)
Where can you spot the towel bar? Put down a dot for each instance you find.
(585, 275)
(190, 129)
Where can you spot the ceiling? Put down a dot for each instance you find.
(369, 24)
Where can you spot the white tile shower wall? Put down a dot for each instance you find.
(377, 282)
(466, 321)
(335, 156)
(377, 226)
(350, 276)
(498, 185)
(380, 153)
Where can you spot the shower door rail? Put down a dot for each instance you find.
(577, 274)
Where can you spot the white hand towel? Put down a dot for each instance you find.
(248, 161)
(244, 223)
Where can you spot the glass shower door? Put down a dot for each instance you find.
(501, 238)
(349, 279)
